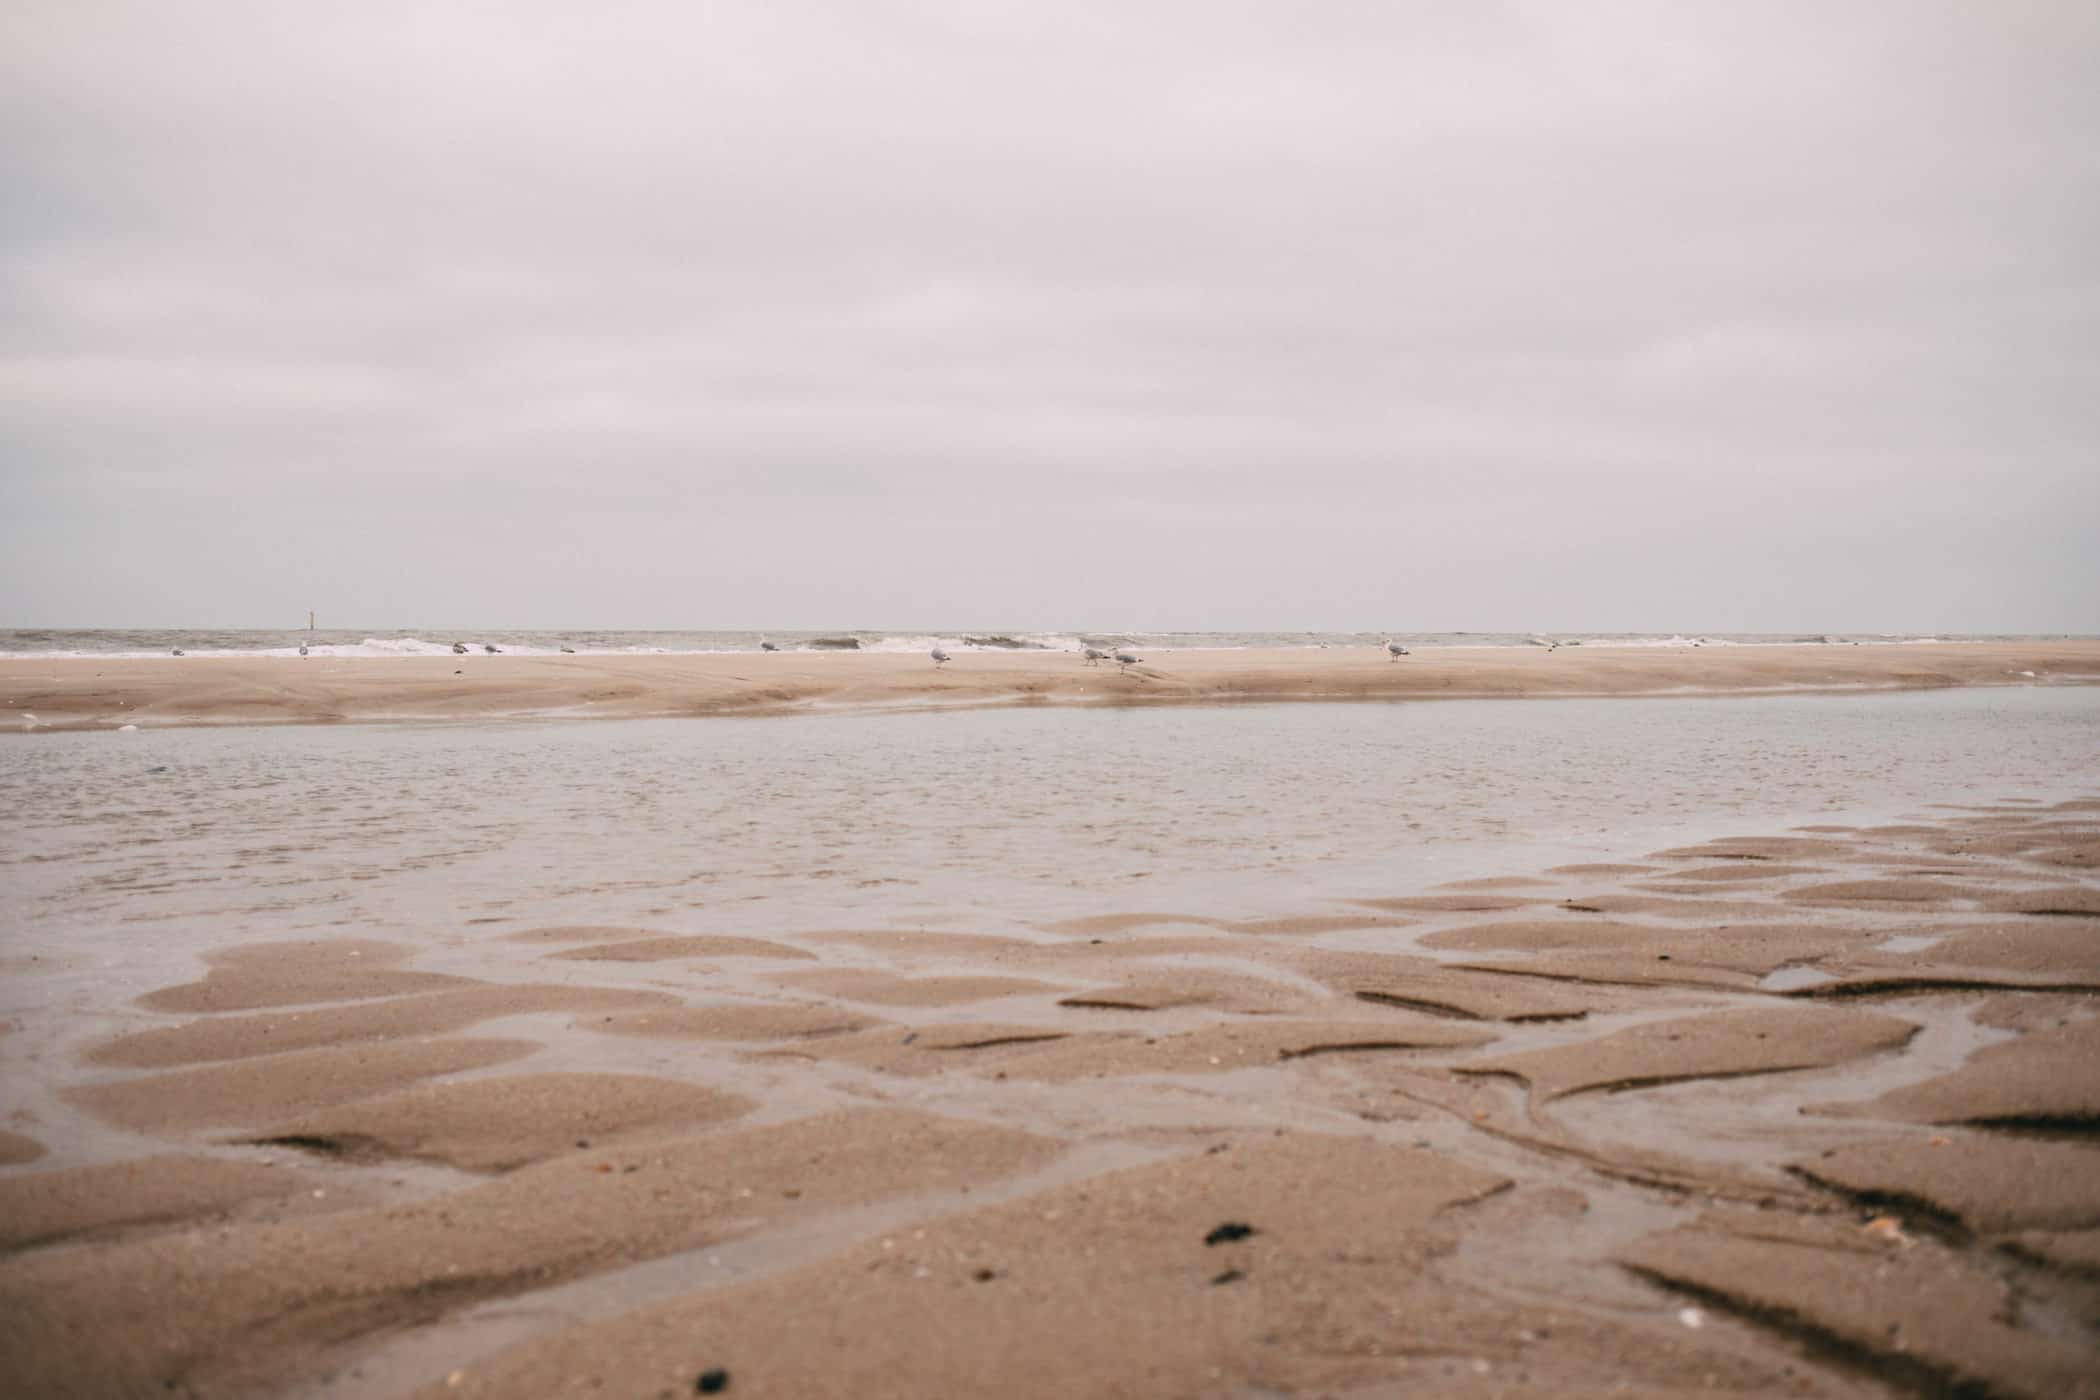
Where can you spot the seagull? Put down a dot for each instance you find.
(459, 648)
(176, 652)
(1395, 650)
(1095, 656)
(568, 651)
(1126, 658)
(764, 645)
(939, 657)
(302, 648)
(491, 648)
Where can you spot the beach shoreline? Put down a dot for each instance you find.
(39, 694)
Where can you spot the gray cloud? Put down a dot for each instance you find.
(1439, 315)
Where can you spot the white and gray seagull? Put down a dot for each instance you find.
(1126, 658)
(1395, 650)
(1095, 656)
(940, 658)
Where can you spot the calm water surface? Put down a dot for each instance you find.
(130, 849)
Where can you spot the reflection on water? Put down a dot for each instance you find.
(194, 838)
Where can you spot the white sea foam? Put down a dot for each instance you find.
(972, 641)
(205, 644)
(1673, 640)
(391, 646)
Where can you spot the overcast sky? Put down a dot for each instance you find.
(1438, 315)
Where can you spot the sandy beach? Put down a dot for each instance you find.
(90, 692)
(1807, 1112)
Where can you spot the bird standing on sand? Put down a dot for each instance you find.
(490, 648)
(1126, 658)
(940, 658)
(1395, 650)
(764, 645)
(1095, 656)
(302, 648)
(459, 648)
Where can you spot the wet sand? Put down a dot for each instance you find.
(100, 692)
(1810, 1114)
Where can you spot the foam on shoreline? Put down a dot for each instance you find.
(201, 644)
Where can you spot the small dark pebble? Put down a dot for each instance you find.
(712, 1382)
(1228, 1232)
(583, 1142)
(910, 1038)
(1662, 957)
(985, 1275)
(1229, 1276)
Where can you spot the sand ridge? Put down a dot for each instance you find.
(1479, 1148)
(1720, 1044)
(16, 1148)
(427, 1014)
(1991, 1184)
(56, 1205)
(88, 692)
(257, 1090)
(1931, 1321)
(680, 946)
(296, 972)
(507, 1121)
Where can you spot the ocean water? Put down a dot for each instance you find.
(439, 641)
(126, 854)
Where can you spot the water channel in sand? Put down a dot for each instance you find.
(135, 850)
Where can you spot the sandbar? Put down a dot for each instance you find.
(99, 692)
